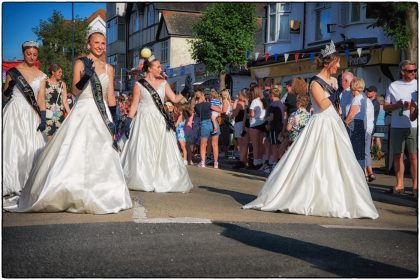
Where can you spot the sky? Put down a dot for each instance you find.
(18, 19)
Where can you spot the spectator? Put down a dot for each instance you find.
(55, 96)
(215, 101)
(225, 126)
(346, 95)
(355, 120)
(257, 125)
(403, 131)
(184, 115)
(191, 132)
(203, 110)
(298, 119)
(369, 122)
(275, 126)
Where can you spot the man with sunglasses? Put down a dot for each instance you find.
(403, 131)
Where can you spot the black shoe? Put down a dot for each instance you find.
(255, 167)
(239, 165)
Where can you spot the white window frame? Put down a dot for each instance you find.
(279, 12)
(319, 7)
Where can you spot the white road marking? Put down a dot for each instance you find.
(370, 228)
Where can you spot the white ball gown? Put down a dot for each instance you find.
(22, 142)
(78, 171)
(319, 174)
(151, 158)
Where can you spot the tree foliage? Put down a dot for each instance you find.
(223, 35)
(56, 36)
(395, 19)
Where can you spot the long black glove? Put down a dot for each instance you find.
(43, 123)
(8, 92)
(127, 126)
(113, 110)
(89, 70)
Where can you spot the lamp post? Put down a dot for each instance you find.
(121, 81)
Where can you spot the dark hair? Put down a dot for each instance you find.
(321, 61)
(53, 68)
(148, 64)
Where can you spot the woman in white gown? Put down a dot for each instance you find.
(319, 174)
(79, 171)
(151, 158)
(22, 129)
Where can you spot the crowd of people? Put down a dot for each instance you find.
(84, 156)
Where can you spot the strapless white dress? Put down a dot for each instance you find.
(78, 171)
(319, 174)
(22, 142)
(151, 158)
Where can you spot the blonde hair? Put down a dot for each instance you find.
(275, 91)
(225, 95)
(214, 94)
(357, 84)
(197, 95)
(255, 92)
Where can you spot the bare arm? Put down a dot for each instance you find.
(135, 101)
(178, 121)
(413, 111)
(319, 97)
(392, 107)
(64, 98)
(171, 95)
(216, 109)
(41, 96)
(77, 70)
(354, 109)
(225, 106)
(110, 93)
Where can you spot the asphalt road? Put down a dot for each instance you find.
(205, 233)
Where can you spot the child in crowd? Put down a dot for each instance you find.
(298, 120)
(215, 101)
(275, 126)
(184, 114)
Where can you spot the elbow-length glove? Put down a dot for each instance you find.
(89, 70)
(8, 92)
(43, 125)
(127, 126)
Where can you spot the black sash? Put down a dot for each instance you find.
(24, 88)
(334, 94)
(159, 105)
(99, 101)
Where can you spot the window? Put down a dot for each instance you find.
(111, 31)
(134, 22)
(136, 59)
(164, 51)
(150, 15)
(278, 22)
(355, 11)
(322, 18)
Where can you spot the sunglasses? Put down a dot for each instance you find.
(410, 71)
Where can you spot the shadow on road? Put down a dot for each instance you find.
(339, 262)
(242, 198)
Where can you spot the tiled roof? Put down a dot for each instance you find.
(180, 23)
(101, 13)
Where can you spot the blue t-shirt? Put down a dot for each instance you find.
(215, 102)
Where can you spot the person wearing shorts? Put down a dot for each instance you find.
(399, 96)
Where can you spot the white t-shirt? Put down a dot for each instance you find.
(400, 90)
(357, 101)
(345, 101)
(370, 115)
(259, 111)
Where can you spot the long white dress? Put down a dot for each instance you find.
(78, 171)
(319, 174)
(151, 158)
(21, 140)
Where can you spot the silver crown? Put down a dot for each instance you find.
(93, 31)
(151, 58)
(329, 49)
(30, 44)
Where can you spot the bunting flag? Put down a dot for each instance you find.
(267, 55)
(256, 55)
(296, 57)
(171, 72)
(182, 72)
(302, 55)
(359, 51)
(286, 57)
(276, 56)
(347, 53)
(312, 56)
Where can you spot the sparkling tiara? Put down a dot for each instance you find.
(329, 49)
